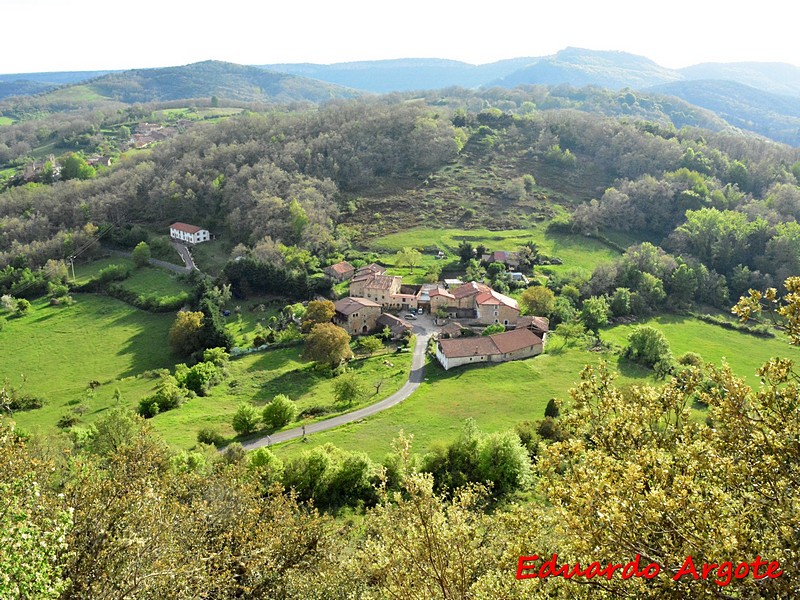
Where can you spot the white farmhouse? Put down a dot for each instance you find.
(190, 234)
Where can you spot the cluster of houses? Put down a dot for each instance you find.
(373, 294)
(149, 133)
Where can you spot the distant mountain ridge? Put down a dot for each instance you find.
(201, 80)
(758, 97)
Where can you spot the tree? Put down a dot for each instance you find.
(278, 412)
(328, 344)
(492, 329)
(408, 257)
(569, 331)
(141, 254)
(466, 252)
(370, 343)
(318, 311)
(74, 166)
(648, 346)
(245, 420)
(620, 303)
(348, 388)
(538, 301)
(475, 271)
(595, 313)
(186, 333)
(552, 410)
(23, 306)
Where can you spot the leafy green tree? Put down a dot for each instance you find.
(245, 419)
(538, 300)
(74, 166)
(33, 525)
(475, 271)
(647, 346)
(23, 306)
(278, 412)
(370, 344)
(348, 388)
(504, 462)
(569, 331)
(408, 257)
(595, 313)
(141, 254)
(186, 333)
(318, 311)
(328, 344)
(620, 302)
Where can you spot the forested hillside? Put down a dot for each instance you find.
(625, 209)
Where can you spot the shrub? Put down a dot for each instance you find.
(113, 273)
(648, 346)
(168, 395)
(209, 435)
(66, 421)
(279, 412)
(690, 359)
(246, 419)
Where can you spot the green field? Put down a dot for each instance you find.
(500, 396)
(6, 120)
(497, 396)
(577, 253)
(259, 377)
(59, 350)
(743, 352)
(144, 280)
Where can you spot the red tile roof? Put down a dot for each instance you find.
(469, 289)
(186, 228)
(496, 298)
(499, 343)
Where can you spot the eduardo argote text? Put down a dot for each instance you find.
(529, 567)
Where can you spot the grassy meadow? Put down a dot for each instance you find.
(577, 253)
(55, 351)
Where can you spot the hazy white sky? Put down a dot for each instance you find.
(63, 35)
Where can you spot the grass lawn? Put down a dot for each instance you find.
(153, 280)
(743, 352)
(144, 280)
(6, 121)
(60, 350)
(259, 377)
(210, 257)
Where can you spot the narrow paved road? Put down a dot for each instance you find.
(414, 379)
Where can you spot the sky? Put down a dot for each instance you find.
(65, 35)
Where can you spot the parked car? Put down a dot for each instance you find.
(419, 310)
(410, 316)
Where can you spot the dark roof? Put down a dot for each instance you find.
(499, 343)
(347, 306)
(381, 282)
(186, 228)
(531, 322)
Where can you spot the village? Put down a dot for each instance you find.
(459, 310)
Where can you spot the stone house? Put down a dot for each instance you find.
(357, 316)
